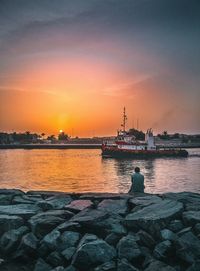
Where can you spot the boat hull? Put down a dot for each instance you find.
(117, 153)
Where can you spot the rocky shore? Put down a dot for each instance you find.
(51, 231)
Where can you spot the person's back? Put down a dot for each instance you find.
(137, 181)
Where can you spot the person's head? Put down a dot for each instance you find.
(137, 169)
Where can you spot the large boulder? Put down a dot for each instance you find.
(23, 210)
(144, 201)
(128, 248)
(45, 222)
(59, 201)
(55, 259)
(163, 250)
(146, 239)
(50, 241)
(92, 254)
(114, 206)
(68, 239)
(8, 222)
(190, 200)
(159, 266)
(154, 217)
(78, 205)
(41, 265)
(191, 217)
(175, 225)
(108, 266)
(188, 247)
(124, 265)
(68, 226)
(29, 243)
(10, 240)
(5, 199)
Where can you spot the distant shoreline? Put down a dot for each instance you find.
(78, 146)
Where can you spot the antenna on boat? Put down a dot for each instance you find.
(124, 119)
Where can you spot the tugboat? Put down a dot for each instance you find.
(126, 146)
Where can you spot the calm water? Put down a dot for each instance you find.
(87, 171)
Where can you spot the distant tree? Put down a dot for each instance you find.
(42, 135)
(63, 136)
(51, 137)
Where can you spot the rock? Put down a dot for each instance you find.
(68, 239)
(50, 241)
(188, 247)
(45, 222)
(108, 266)
(5, 199)
(92, 254)
(59, 202)
(162, 250)
(154, 217)
(22, 210)
(113, 238)
(68, 226)
(146, 239)
(190, 200)
(87, 238)
(191, 217)
(28, 247)
(58, 268)
(124, 265)
(88, 216)
(70, 268)
(175, 225)
(113, 206)
(102, 196)
(55, 259)
(78, 205)
(159, 266)
(41, 265)
(144, 201)
(183, 231)
(128, 248)
(8, 222)
(197, 228)
(195, 266)
(168, 235)
(10, 240)
(20, 200)
(12, 192)
(44, 205)
(68, 253)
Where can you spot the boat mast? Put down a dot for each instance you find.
(124, 120)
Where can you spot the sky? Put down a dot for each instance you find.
(74, 64)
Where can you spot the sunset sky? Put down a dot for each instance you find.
(74, 64)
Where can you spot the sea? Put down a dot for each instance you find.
(84, 170)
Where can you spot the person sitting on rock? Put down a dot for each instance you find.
(137, 180)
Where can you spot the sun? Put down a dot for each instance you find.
(60, 131)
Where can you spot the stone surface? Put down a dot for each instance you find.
(113, 206)
(188, 247)
(5, 199)
(29, 243)
(68, 239)
(41, 265)
(190, 200)
(191, 217)
(68, 253)
(175, 225)
(92, 254)
(109, 266)
(154, 217)
(43, 223)
(78, 205)
(146, 239)
(59, 202)
(22, 210)
(128, 248)
(168, 235)
(8, 222)
(55, 259)
(162, 250)
(10, 240)
(159, 266)
(68, 226)
(124, 265)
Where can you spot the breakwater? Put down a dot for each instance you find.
(41, 230)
